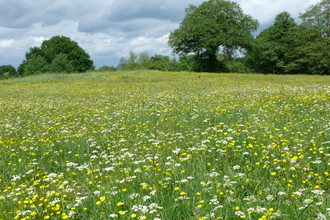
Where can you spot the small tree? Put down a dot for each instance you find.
(107, 69)
(122, 64)
(132, 63)
(160, 62)
(7, 69)
(144, 60)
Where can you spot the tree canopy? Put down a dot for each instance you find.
(269, 53)
(144, 61)
(8, 69)
(58, 54)
(312, 40)
(216, 26)
(288, 48)
(215, 36)
(318, 15)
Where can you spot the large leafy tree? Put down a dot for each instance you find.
(216, 26)
(79, 59)
(269, 54)
(58, 54)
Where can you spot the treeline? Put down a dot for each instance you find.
(167, 63)
(217, 29)
(213, 37)
(285, 47)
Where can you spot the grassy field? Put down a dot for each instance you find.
(170, 146)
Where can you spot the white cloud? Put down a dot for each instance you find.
(6, 43)
(266, 10)
(157, 45)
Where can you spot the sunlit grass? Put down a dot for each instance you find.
(154, 145)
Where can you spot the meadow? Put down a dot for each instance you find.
(165, 145)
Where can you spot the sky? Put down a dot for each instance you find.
(110, 29)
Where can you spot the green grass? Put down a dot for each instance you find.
(155, 145)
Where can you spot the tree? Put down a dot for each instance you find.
(122, 64)
(269, 54)
(312, 40)
(131, 63)
(160, 62)
(61, 64)
(7, 71)
(237, 65)
(174, 65)
(107, 69)
(187, 63)
(66, 53)
(36, 65)
(310, 54)
(216, 26)
(318, 15)
(80, 60)
(33, 52)
(144, 60)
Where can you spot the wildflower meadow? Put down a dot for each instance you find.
(165, 146)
